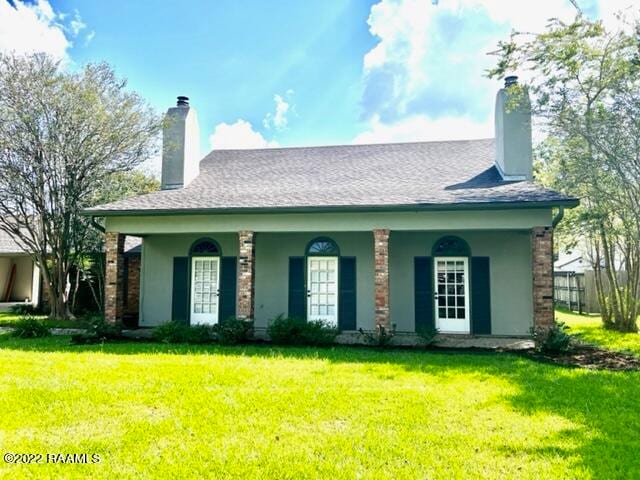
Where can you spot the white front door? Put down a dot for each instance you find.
(322, 289)
(452, 294)
(205, 278)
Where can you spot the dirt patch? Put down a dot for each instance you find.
(591, 357)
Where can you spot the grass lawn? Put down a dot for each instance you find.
(159, 411)
(589, 328)
(8, 319)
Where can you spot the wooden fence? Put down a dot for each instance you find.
(577, 291)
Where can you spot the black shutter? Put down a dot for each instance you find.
(480, 296)
(180, 298)
(347, 295)
(228, 279)
(423, 293)
(297, 293)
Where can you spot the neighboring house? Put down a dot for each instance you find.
(573, 261)
(575, 280)
(20, 279)
(453, 234)
(19, 276)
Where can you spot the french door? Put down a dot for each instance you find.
(322, 289)
(452, 294)
(205, 285)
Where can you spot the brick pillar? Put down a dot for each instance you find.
(381, 254)
(114, 277)
(246, 279)
(132, 296)
(542, 258)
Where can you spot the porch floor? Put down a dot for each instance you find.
(449, 341)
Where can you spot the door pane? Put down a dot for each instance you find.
(205, 287)
(323, 288)
(451, 291)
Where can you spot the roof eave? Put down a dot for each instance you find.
(566, 203)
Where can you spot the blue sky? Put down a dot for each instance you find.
(291, 73)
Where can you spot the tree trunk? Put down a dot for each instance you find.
(602, 297)
(76, 287)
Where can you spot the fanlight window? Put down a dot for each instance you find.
(323, 246)
(451, 246)
(205, 247)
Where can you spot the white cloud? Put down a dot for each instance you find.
(279, 119)
(77, 24)
(32, 28)
(429, 64)
(89, 37)
(36, 27)
(238, 135)
(422, 128)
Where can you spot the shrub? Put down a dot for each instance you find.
(296, 331)
(30, 327)
(428, 335)
(103, 329)
(176, 332)
(233, 330)
(380, 337)
(553, 340)
(99, 330)
(319, 333)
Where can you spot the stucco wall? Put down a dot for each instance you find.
(510, 267)
(458, 220)
(24, 277)
(157, 271)
(272, 271)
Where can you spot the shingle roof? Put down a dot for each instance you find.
(385, 175)
(132, 245)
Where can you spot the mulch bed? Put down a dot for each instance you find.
(590, 357)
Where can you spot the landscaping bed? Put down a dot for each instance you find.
(590, 357)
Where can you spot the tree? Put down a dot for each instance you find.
(585, 82)
(89, 265)
(63, 135)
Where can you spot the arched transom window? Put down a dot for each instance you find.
(323, 246)
(451, 246)
(205, 247)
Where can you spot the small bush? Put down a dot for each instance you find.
(553, 340)
(233, 331)
(296, 331)
(319, 333)
(30, 327)
(380, 337)
(103, 329)
(428, 335)
(99, 330)
(176, 332)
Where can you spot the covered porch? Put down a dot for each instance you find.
(464, 272)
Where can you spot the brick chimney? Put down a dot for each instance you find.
(513, 131)
(180, 146)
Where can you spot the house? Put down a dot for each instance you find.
(575, 285)
(21, 282)
(19, 276)
(453, 234)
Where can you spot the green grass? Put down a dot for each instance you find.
(161, 411)
(8, 319)
(589, 329)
